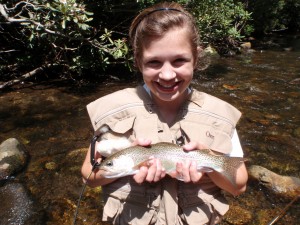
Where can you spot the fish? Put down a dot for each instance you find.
(128, 161)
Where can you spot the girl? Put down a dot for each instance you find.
(166, 49)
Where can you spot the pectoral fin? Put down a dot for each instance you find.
(204, 169)
(143, 163)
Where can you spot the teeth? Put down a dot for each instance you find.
(167, 86)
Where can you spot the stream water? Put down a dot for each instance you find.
(52, 122)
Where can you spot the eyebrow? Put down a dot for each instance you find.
(179, 55)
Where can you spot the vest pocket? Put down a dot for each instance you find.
(129, 203)
(200, 203)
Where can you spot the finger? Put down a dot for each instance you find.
(151, 170)
(194, 145)
(163, 173)
(141, 141)
(195, 175)
(173, 174)
(179, 168)
(141, 175)
(186, 171)
(160, 172)
(190, 146)
(179, 171)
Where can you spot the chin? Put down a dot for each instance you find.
(167, 97)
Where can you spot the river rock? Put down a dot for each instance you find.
(13, 157)
(286, 185)
(295, 81)
(16, 206)
(246, 45)
(297, 132)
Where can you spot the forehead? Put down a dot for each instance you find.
(176, 40)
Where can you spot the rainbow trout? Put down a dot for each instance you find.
(129, 160)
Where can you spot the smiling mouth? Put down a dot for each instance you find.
(168, 87)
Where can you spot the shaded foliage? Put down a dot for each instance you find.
(56, 35)
(275, 15)
(87, 40)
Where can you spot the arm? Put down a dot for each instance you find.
(189, 173)
(95, 179)
(223, 183)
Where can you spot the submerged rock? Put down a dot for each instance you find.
(16, 206)
(286, 185)
(295, 81)
(13, 157)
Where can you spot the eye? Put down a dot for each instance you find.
(153, 63)
(180, 61)
(109, 163)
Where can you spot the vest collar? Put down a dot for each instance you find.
(196, 97)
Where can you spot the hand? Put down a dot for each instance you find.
(187, 170)
(154, 172)
(141, 142)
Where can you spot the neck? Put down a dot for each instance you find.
(168, 110)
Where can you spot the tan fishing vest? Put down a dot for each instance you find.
(131, 113)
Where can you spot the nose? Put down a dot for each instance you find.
(167, 72)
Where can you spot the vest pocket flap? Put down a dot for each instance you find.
(111, 208)
(215, 139)
(121, 126)
(222, 143)
(198, 132)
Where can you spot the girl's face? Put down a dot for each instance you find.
(167, 65)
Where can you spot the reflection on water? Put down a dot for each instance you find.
(53, 124)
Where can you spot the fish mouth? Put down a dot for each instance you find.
(116, 174)
(107, 173)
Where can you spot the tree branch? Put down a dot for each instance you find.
(25, 20)
(24, 77)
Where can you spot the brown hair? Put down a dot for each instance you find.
(155, 21)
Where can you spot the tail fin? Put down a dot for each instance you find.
(231, 164)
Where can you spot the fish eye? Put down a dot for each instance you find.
(109, 163)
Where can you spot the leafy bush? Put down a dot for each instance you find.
(222, 21)
(41, 33)
(275, 15)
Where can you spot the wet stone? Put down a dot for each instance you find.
(285, 185)
(297, 132)
(16, 207)
(13, 157)
(51, 166)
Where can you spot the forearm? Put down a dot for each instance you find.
(93, 178)
(225, 184)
